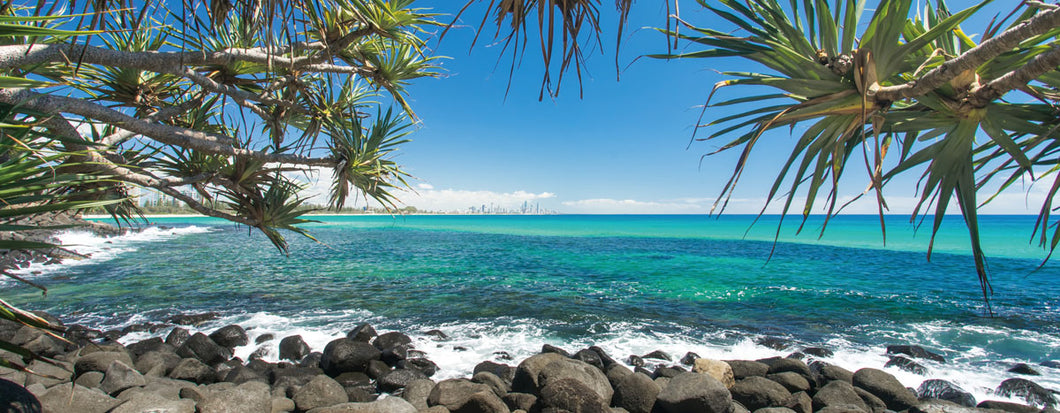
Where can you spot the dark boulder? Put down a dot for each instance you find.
(586, 374)
(520, 401)
(915, 352)
(343, 355)
(836, 394)
(1051, 363)
(886, 387)
(635, 361)
(875, 404)
(689, 358)
(818, 352)
(242, 374)
(395, 354)
(658, 355)
(100, 361)
(193, 319)
(824, 373)
(192, 370)
(16, 399)
(548, 348)
(499, 387)
(398, 379)
(230, 336)
(311, 359)
(321, 391)
(792, 381)
(775, 343)
(906, 364)
(526, 375)
(571, 395)
(390, 340)
(363, 333)
(120, 376)
(944, 390)
(636, 393)
(604, 357)
(617, 372)
(742, 369)
(669, 372)
(801, 402)
(1024, 369)
(1028, 390)
(759, 392)
(377, 369)
(590, 357)
(780, 365)
(201, 347)
(425, 366)
(504, 371)
(437, 334)
(454, 393)
(177, 337)
(151, 344)
(293, 348)
(482, 403)
(694, 392)
(264, 337)
(1007, 406)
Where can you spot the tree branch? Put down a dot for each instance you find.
(1039, 65)
(1040, 23)
(167, 134)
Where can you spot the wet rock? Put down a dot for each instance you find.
(390, 340)
(742, 369)
(230, 336)
(377, 369)
(293, 348)
(152, 344)
(836, 394)
(201, 347)
(664, 371)
(193, 319)
(387, 405)
(689, 358)
(818, 352)
(177, 337)
(617, 372)
(504, 371)
(192, 370)
(636, 393)
(343, 355)
(801, 402)
(241, 374)
(1007, 406)
(363, 333)
(775, 343)
(780, 365)
(427, 367)
(483, 403)
(828, 372)
(906, 364)
(886, 387)
(120, 376)
(944, 390)
(658, 355)
(1028, 390)
(915, 352)
(1051, 363)
(520, 401)
(590, 357)
(874, 403)
(760, 392)
(694, 392)
(251, 396)
(417, 391)
(438, 335)
(264, 337)
(548, 348)
(499, 387)
(635, 361)
(1024, 369)
(100, 361)
(604, 357)
(572, 395)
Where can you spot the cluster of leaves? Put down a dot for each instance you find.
(917, 86)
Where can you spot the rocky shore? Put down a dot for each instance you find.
(185, 371)
(49, 224)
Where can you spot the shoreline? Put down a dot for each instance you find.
(365, 367)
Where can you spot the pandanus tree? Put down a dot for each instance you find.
(882, 87)
(222, 104)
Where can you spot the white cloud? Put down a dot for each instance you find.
(425, 186)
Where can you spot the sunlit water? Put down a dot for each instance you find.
(630, 284)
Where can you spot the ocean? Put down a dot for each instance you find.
(627, 283)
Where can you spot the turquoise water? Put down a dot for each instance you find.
(634, 283)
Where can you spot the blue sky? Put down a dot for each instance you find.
(622, 148)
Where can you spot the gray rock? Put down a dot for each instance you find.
(320, 392)
(282, 405)
(391, 340)
(192, 370)
(100, 361)
(942, 406)
(915, 352)
(774, 410)
(16, 399)
(499, 387)
(151, 359)
(67, 398)
(1030, 391)
(120, 376)
(387, 405)
(417, 391)
(694, 392)
(548, 348)
(251, 396)
(363, 333)
(760, 392)
(838, 393)
(482, 402)
(742, 369)
(802, 402)
(398, 379)
(906, 365)
(570, 394)
(49, 374)
(944, 390)
(886, 387)
(90, 379)
(151, 344)
(154, 403)
(1024, 369)
(453, 393)
(636, 393)
(44, 345)
(526, 375)
(578, 370)
(241, 374)
(504, 371)
(874, 403)
(177, 337)
(345, 355)
(1007, 406)
(520, 401)
(792, 381)
(293, 348)
(201, 347)
(846, 408)
(658, 355)
(590, 357)
(828, 372)
(738, 408)
(780, 365)
(616, 372)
